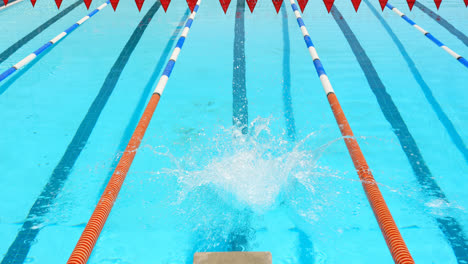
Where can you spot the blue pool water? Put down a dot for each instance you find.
(280, 179)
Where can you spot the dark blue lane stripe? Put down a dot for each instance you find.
(147, 91)
(20, 247)
(449, 127)
(449, 27)
(240, 115)
(287, 101)
(449, 226)
(306, 247)
(20, 43)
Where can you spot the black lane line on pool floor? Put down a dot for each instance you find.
(305, 249)
(240, 114)
(448, 225)
(449, 27)
(19, 249)
(287, 101)
(20, 43)
(449, 127)
(138, 111)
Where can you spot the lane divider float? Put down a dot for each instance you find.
(429, 35)
(393, 238)
(10, 4)
(90, 235)
(44, 47)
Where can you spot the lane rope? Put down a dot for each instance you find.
(46, 46)
(91, 233)
(393, 238)
(10, 4)
(429, 35)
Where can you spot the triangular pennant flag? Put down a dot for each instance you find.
(252, 3)
(87, 3)
(225, 4)
(139, 4)
(302, 4)
(466, 3)
(58, 3)
(410, 4)
(33, 2)
(5, 2)
(165, 4)
(191, 4)
(383, 3)
(356, 4)
(437, 3)
(114, 4)
(277, 4)
(328, 4)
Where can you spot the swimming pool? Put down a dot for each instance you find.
(279, 180)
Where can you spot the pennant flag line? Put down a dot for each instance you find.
(139, 4)
(165, 4)
(356, 4)
(191, 4)
(252, 3)
(302, 4)
(328, 4)
(383, 3)
(114, 4)
(87, 3)
(277, 4)
(58, 3)
(225, 4)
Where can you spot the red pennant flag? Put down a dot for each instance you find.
(277, 4)
(225, 4)
(58, 3)
(87, 3)
(437, 3)
(165, 4)
(252, 3)
(302, 4)
(139, 4)
(383, 3)
(5, 2)
(191, 4)
(328, 4)
(466, 3)
(356, 4)
(33, 2)
(114, 4)
(410, 4)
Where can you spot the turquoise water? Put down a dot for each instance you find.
(198, 183)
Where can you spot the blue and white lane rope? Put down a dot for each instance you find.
(429, 35)
(170, 64)
(36, 53)
(392, 236)
(318, 65)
